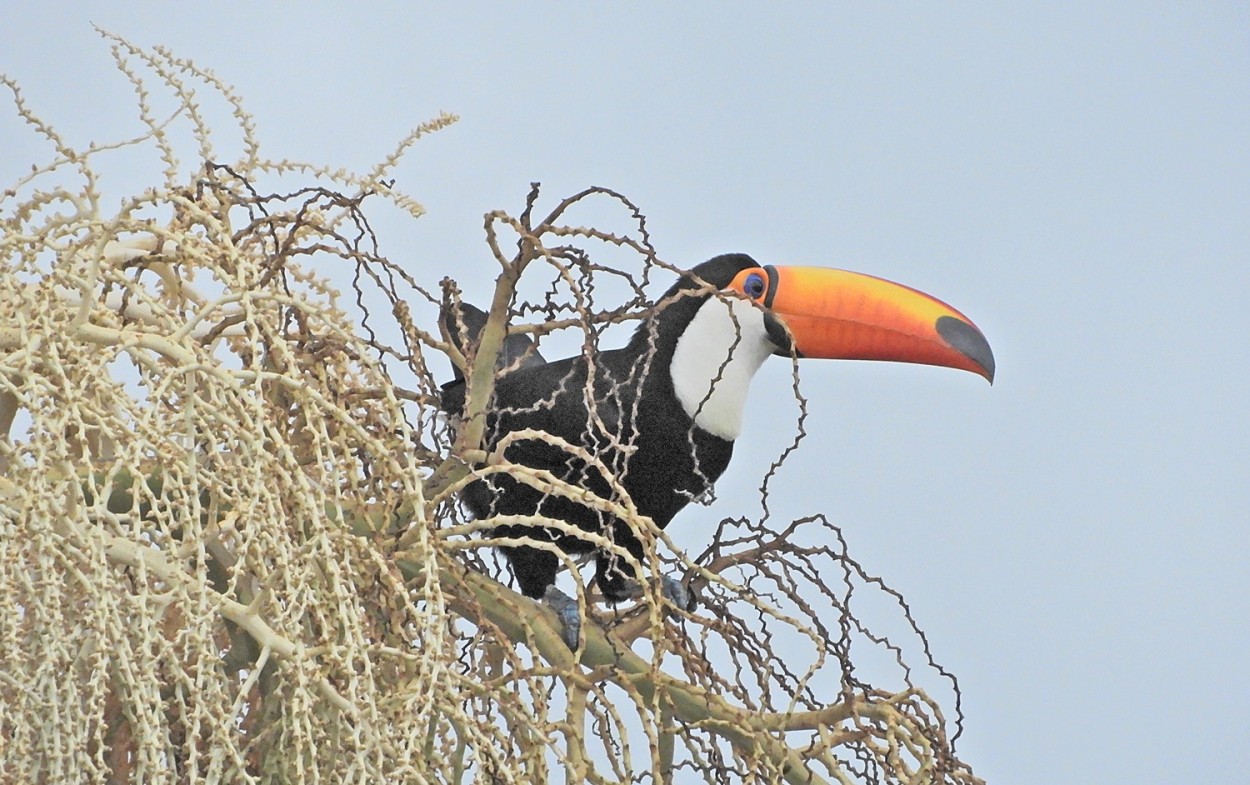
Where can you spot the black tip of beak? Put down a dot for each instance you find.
(968, 341)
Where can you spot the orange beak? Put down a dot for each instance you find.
(840, 315)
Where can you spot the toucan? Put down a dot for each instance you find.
(657, 418)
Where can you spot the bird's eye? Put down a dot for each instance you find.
(754, 286)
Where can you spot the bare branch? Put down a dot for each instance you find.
(231, 542)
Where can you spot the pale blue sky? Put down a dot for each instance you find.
(1075, 177)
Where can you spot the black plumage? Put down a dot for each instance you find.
(639, 430)
(660, 413)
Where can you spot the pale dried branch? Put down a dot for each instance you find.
(231, 542)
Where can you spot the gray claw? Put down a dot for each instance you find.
(567, 613)
(670, 587)
(676, 593)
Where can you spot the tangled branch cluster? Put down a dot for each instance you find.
(229, 543)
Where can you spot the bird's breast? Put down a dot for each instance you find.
(713, 363)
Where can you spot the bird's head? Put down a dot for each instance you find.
(718, 341)
(817, 312)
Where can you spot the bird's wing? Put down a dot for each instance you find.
(464, 323)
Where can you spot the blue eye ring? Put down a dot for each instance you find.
(754, 286)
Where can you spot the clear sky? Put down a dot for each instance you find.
(1073, 176)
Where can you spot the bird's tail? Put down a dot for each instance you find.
(464, 323)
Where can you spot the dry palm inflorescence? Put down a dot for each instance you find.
(229, 543)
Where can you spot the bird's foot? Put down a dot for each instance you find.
(671, 588)
(676, 593)
(567, 613)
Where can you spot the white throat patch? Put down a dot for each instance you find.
(720, 350)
